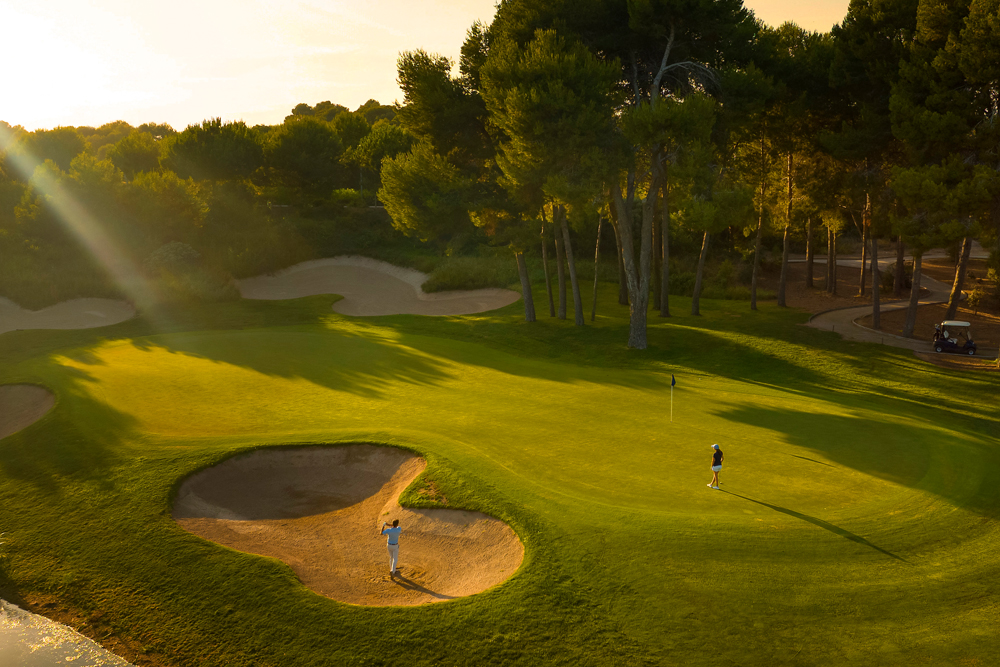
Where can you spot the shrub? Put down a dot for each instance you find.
(173, 256)
(177, 274)
(348, 197)
(472, 273)
(888, 276)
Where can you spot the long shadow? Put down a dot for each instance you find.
(825, 525)
(81, 438)
(411, 585)
(910, 450)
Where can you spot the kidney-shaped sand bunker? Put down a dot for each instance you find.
(319, 509)
(21, 405)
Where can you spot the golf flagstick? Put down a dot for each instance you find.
(673, 381)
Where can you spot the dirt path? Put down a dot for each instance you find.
(371, 287)
(319, 510)
(73, 314)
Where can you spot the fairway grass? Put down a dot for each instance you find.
(856, 523)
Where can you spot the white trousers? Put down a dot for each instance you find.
(393, 556)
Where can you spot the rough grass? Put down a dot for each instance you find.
(857, 523)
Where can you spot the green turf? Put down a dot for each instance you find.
(857, 524)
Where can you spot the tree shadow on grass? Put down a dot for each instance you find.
(80, 438)
(356, 364)
(825, 525)
(911, 450)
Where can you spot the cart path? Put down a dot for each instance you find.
(843, 322)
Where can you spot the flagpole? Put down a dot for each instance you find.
(671, 402)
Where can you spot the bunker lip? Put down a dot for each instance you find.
(21, 405)
(72, 314)
(371, 287)
(319, 510)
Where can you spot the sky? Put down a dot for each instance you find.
(90, 62)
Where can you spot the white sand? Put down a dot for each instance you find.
(72, 314)
(371, 287)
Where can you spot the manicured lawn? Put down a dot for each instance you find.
(857, 522)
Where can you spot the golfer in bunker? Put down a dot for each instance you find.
(716, 466)
(392, 543)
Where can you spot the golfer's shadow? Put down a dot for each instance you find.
(411, 585)
(825, 525)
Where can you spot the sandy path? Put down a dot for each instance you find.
(371, 287)
(319, 510)
(21, 405)
(73, 314)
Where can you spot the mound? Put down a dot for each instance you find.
(73, 314)
(21, 405)
(319, 510)
(371, 287)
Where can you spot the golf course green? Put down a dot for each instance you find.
(857, 521)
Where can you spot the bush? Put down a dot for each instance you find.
(348, 197)
(473, 273)
(888, 276)
(682, 283)
(177, 274)
(173, 256)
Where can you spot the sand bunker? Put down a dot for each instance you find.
(21, 405)
(319, 509)
(73, 314)
(371, 287)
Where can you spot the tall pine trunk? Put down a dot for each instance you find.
(597, 266)
(637, 273)
(786, 243)
(810, 251)
(897, 279)
(665, 263)
(829, 260)
(911, 310)
(696, 297)
(956, 287)
(760, 228)
(545, 269)
(529, 301)
(560, 267)
(622, 278)
(834, 269)
(657, 258)
(865, 234)
(568, 249)
(876, 284)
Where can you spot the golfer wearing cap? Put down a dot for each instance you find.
(392, 543)
(716, 466)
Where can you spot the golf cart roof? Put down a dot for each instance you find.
(955, 323)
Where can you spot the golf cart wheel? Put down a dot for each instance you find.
(972, 351)
(938, 348)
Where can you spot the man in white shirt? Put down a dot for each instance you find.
(392, 543)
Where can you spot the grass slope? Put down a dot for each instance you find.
(857, 522)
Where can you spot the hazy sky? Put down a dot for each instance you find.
(89, 62)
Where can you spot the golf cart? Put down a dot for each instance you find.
(953, 336)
